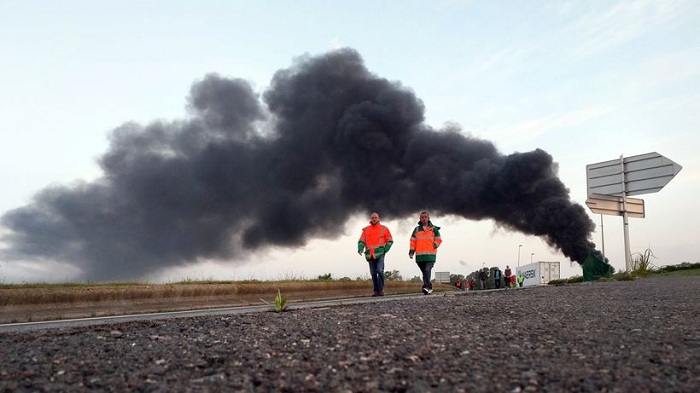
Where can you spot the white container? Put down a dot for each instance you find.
(538, 273)
(443, 277)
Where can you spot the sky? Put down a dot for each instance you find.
(584, 81)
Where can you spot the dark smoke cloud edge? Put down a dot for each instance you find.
(327, 140)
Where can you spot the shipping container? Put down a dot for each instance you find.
(442, 277)
(538, 273)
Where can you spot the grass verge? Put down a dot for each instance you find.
(641, 268)
(36, 302)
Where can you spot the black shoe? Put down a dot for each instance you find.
(425, 291)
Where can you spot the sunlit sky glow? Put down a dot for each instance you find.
(584, 81)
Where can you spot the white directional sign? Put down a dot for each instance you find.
(613, 206)
(643, 174)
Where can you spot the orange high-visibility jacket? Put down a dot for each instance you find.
(424, 242)
(376, 240)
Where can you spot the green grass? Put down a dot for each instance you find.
(570, 280)
(686, 272)
(642, 267)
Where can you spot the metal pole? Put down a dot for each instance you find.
(625, 220)
(602, 236)
(519, 254)
(531, 254)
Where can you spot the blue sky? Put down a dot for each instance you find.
(585, 81)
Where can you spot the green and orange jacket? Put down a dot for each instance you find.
(424, 243)
(375, 240)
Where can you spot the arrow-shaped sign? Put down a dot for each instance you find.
(643, 174)
(612, 205)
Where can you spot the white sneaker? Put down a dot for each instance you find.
(429, 291)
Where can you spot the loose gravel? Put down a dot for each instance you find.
(632, 336)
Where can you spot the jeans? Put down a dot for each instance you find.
(426, 268)
(376, 270)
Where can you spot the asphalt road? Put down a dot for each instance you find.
(92, 321)
(632, 336)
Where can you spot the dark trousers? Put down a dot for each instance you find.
(376, 270)
(426, 269)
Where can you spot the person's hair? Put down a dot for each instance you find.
(428, 214)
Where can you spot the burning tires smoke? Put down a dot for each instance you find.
(327, 140)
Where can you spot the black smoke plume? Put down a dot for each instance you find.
(327, 140)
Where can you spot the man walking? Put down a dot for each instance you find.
(484, 277)
(506, 275)
(425, 241)
(375, 241)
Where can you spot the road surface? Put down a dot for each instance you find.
(630, 336)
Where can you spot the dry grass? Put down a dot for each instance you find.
(38, 294)
(35, 302)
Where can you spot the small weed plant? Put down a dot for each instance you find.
(641, 263)
(280, 303)
(641, 266)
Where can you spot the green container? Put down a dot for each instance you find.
(594, 268)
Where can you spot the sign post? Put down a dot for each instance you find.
(625, 217)
(642, 174)
(613, 206)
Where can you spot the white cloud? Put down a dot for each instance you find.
(602, 29)
(535, 127)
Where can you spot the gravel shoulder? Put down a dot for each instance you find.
(632, 336)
